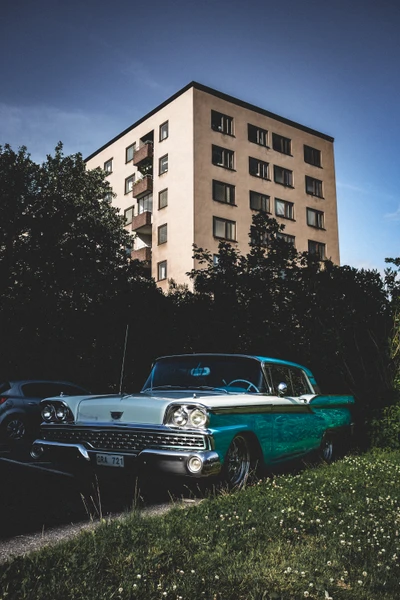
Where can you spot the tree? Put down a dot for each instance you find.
(65, 271)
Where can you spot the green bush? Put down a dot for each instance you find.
(385, 429)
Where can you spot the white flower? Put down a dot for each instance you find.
(306, 594)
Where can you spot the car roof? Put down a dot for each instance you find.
(267, 359)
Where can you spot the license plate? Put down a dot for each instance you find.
(109, 460)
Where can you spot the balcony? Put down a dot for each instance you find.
(143, 154)
(142, 223)
(143, 186)
(143, 254)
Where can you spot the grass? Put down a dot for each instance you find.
(328, 532)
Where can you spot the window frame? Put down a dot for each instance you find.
(318, 246)
(262, 197)
(132, 210)
(227, 157)
(317, 185)
(279, 143)
(319, 218)
(165, 170)
(133, 148)
(159, 199)
(287, 204)
(162, 127)
(227, 222)
(227, 187)
(127, 179)
(259, 133)
(262, 170)
(288, 238)
(284, 173)
(162, 234)
(106, 169)
(160, 265)
(222, 123)
(315, 159)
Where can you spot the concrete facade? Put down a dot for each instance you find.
(212, 152)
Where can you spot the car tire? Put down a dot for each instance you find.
(238, 464)
(14, 429)
(327, 450)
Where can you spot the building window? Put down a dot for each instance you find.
(164, 131)
(259, 201)
(315, 218)
(108, 197)
(222, 123)
(281, 144)
(289, 239)
(258, 168)
(130, 152)
(215, 260)
(129, 181)
(145, 204)
(108, 166)
(162, 234)
(162, 270)
(223, 192)
(259, 238)
(317, 248)
(163, 198)
(128, 215)
(163, 164)
(284, 209)
(222, 228)
(314, 187)
(283, 176)
(312, 156)
(257, 135)
(221, 157)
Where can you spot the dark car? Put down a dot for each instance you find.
(20, 404)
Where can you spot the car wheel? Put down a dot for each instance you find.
(327, 450)
(238, 463)
(15, 429)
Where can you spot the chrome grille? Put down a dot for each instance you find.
(127, 440)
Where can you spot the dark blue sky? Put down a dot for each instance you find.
(81, 72)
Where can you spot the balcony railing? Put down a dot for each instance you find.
(143, 254)
(142, 222)
(143, 153)
(143, 186)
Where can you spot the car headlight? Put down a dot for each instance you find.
(197, 417)
(179, 417)
(61, 412)
(188, 416)
(48, 412)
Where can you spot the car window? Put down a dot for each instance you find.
(4, 386)
(294, 379)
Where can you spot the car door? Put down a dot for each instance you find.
(295, 426)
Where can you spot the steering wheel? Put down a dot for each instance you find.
(249, 384)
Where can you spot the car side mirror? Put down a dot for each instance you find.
(282, 389)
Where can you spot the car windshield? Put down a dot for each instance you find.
(223, 373)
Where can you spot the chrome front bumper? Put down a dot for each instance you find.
(193, 463)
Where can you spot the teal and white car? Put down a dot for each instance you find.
(200, 415)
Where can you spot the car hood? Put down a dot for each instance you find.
(150, 409)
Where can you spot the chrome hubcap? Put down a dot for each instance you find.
(238, 462)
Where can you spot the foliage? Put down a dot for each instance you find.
(330, 532)
(385, 428)
(68, 287)
(279, 302)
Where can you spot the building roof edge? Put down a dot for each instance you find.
(217, 94)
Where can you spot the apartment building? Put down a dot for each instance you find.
(195, 169)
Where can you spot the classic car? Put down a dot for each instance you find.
(200, 415)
